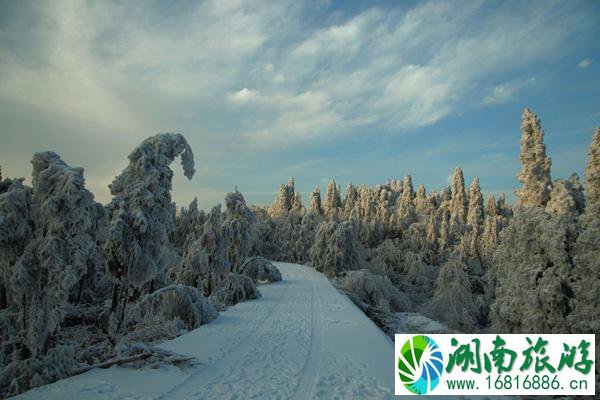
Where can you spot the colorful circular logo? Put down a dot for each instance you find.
(420, 364)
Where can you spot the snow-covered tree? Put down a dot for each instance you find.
(459, 203)
(214, 242)
(475, 213)
(531, 273)
(336, 248)
(372, 293)
(454, 300)
(366, 204)
(237, 229)
(315, 202)
(592, 175)
(421, 201)
(489, 238)
(351, 200)
(188, 224)
(306, 237)
(535, 175)
(562, 198)
(297, 202)
(333, 200)
(432, 235)
(260, 270)
(16, 229)
(142, 215)
(490, 207)
(59, 253)
(282, 204)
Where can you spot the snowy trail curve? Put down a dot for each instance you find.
(301, 340)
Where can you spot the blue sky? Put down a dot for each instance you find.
(358, 91)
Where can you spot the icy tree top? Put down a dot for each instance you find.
(141, 212)
(535, 175)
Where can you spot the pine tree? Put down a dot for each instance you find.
(592, 175)
(333, 201)
(315, 202)
(476, 213)
(535, 175)
(297, 202)
(562, 198)
(283, 202)
(491, 208)
(421, 201)
(459, 204)
(351, 200)
(432, 231)
(406, 203)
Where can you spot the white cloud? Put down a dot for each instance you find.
(584, 63)
(506, 92)
(380, 70)
(242, 96)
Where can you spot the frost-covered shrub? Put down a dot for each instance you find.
(168, 304)
(454, 300)
(531, 273)
(337, 248)
(233, 289)
(260, 270)
(23, 374)
(405, 268)
(369, 290)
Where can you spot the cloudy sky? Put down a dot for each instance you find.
(358, 91)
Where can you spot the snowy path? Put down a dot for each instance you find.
(301, 340)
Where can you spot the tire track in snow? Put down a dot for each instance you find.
(312, 365)
(207, 373)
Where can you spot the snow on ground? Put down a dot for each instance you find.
(301, 340)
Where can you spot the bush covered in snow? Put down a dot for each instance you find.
(233, 289)
(371, 291)
(260, 270)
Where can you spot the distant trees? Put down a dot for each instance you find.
(470, 261)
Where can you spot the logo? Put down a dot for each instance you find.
(420, 364)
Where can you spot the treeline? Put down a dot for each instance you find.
(478, 265)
